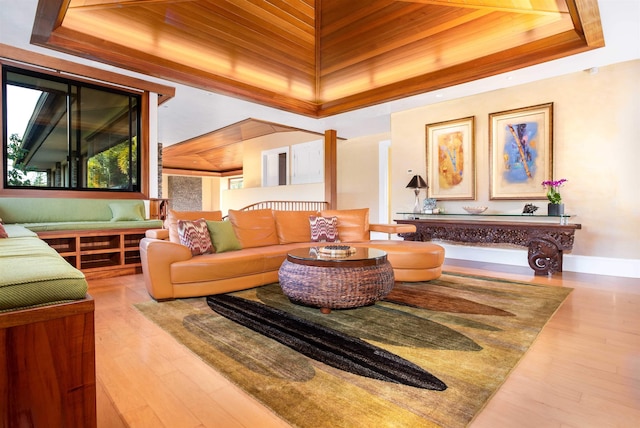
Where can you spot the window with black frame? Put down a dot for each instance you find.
(64, 134)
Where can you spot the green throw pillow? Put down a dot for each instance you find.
(123, 211)
(223, 236)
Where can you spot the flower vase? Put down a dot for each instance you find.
(555, 210)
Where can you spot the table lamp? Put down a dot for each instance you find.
(416, 184)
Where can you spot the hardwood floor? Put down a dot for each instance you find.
(582, 371)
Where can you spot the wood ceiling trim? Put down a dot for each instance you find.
(20, 57)
(439, 51)
(119, 4)
(68, 41)
(523, 6)
(179, 171)
(519, 57)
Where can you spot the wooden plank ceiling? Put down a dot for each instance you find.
(313, 57)
(319, 57)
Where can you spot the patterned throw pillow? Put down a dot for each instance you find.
(3, 232)
(195, 235)
(323, 229)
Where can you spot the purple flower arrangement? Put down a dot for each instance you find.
(552, 190)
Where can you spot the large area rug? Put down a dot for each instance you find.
(467, 333)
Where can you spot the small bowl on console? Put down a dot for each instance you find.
(475, 210)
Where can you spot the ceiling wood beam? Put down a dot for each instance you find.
(538, 7)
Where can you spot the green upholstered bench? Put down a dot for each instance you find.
(53, 214)
(98, 236)
(34, 274)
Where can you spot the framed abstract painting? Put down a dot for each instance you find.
(451, 159)
(520, 152)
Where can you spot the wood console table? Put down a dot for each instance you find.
(546, 241)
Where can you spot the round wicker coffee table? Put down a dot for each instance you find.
(310, 278)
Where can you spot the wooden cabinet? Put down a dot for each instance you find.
(98, 253)
(47, 366)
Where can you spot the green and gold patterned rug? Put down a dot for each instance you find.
(467, 332)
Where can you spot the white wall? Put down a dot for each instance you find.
(239, 198)
(595, 147)
(253, 148)
(358, 171)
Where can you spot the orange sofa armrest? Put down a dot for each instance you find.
(157, 234)
(156, 257)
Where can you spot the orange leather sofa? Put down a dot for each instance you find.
(171, 271)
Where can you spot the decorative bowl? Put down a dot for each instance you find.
(475, 210)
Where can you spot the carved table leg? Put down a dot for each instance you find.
(545, 257)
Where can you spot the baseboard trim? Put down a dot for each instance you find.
(629, 268)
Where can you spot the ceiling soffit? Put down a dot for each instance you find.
(219, 151)
(320, 57)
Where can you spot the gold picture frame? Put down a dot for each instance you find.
(451, 171)
(520, 152)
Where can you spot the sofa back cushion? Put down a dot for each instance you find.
(174, 216)
(293, 226)
(353, 225)
(254, 228)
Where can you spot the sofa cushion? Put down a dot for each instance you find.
(174, 216)
(353, 225)
(219, 266)
(293, 226)
(126, 211)
(254, 228)
(323, 229)
(223, 237)
(195, 235)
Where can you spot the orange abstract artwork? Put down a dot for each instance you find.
(450, 159)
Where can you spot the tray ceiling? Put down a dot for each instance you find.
(322, 57)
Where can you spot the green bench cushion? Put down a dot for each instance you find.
(50, 210)
(89, 225)
(33, 274)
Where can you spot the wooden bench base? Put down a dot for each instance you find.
(47, 366)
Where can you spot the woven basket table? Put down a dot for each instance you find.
(360, 279)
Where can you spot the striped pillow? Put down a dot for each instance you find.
(195, 235)
(323, 229)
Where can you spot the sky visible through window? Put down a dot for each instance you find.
(22, 102)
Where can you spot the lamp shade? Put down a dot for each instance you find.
(417, 182)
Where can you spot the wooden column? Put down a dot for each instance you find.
(330, 168)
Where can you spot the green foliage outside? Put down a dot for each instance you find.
(17, 173)
(110, 168)
(106, 170)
